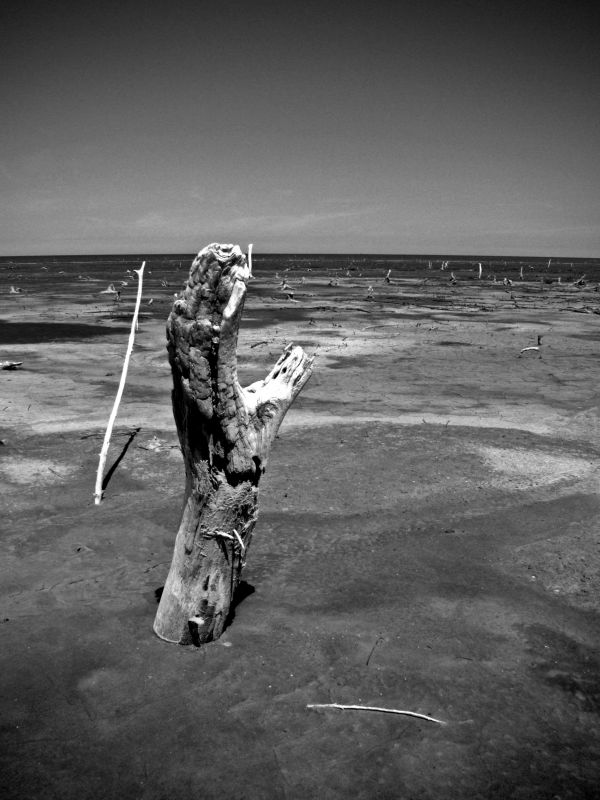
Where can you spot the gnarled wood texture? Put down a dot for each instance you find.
(225, 433)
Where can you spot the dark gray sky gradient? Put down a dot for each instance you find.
(456, 127)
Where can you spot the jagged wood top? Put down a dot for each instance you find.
(218, 420)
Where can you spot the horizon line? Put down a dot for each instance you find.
(305, 254)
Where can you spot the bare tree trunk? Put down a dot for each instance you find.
(225, 433)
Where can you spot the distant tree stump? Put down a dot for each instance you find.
(225, 433)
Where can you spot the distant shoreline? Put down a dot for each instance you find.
(464, 258)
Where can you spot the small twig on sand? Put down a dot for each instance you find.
(533, 347)
(376, 708)
(377, 640)
(113, 415)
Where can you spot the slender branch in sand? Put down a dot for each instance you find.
(113, 415)
(377, 708)
(533, 347)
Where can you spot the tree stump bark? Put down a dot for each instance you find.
(225, 432)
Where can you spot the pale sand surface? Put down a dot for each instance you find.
(429, 539)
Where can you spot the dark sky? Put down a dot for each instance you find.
(455, 127)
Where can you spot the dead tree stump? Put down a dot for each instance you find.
(225, 432)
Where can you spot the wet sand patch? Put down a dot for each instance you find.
(12, 332)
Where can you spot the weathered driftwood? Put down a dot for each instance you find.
(98, 490)
(225, 433)
(378, 708)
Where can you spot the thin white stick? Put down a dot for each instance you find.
(224, 535)
(241, 543)
(376, 708)
(113, 416)
(250, 246)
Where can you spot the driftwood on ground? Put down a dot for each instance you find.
(225, 432)
(99, 488)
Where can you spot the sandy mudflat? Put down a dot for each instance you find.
(429, 539)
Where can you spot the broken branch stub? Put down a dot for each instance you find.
(225, 432)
